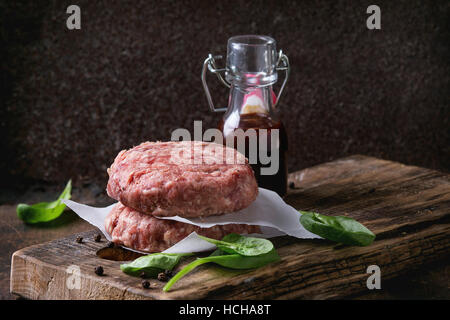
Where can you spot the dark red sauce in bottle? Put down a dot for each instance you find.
(257, 121)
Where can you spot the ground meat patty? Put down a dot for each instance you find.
(144, 232)
(182, 178)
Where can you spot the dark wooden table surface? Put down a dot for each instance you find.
(430, 281)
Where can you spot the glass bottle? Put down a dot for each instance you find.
(251, 122)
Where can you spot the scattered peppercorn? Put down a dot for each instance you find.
(162, 276)
(98, 238)
(110, 244)
(79, 239)
(168, 273)
(372, 190)
(142, 275)
(292, 185)
(145, 284)
(99, 270)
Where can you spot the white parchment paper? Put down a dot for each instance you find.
(269, 211)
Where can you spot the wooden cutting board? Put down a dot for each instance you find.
(407, 207)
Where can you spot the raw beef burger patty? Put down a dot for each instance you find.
(144, 232)
(150, 179)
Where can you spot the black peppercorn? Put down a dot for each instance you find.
(162, 276)
(97, 238)
(79, 239)
(292, 185)
(110, 244)
(145, 284)
(99, 270)
(142, 275)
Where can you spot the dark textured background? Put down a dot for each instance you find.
(72, 99)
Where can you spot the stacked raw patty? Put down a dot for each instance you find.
(187, 179)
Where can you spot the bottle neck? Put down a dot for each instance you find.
(247, 100)
(249, 107)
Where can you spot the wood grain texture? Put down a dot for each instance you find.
(407, 207)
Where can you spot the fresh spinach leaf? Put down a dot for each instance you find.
(237, 261)
(44, 211)
(233, 261)
(337, 228)
(246, 246)
(153, 264)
